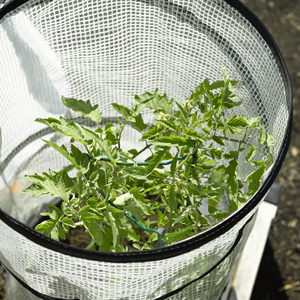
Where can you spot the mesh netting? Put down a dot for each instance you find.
(107, 51)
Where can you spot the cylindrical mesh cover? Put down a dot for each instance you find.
(107, 51)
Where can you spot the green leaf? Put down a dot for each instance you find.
(270, 140)
(136, 172)
(35, 190)
(58, 185)
(250, 154)
(157, 101)
(184, 215)
(138, 124)
(91, 223)
(63, 150)
(167, 124)
(254, 180)
(69, 222)
(258, 163)
(83, 108)
(172, 198)
(178, 235)
(263, 134)
(232, 178)
(216, 85)
(67, 128)
(218, 140)
(124, 111)
(143, 104)
(174, 165)
(253, 120)
(171, 141)
(115, 231)
(53, 212)
(142, 203)
(152, 133)
(155, 160)
(183, 112)
(237, 122)
(49, 228)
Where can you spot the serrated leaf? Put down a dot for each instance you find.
(178, 235)
(254, 179)
(174, 165)
(68, 128)
(167, 124)
(136, 172)
(218, 140)
(35, 190)
(237, 122)
(143, 104)
(250, 154)
(69, 222)
(270, 140)
(152, 133)
(114, 228)
(49, 228)
(142, 203)
(172, 198)
(184, 215)
(183, 112)
(155, 160)
(232, 178)
(58, 185)
(258, 163)
(91, 223)
(84, 108)
(171, 141)
(124, 111)
(263, 134)
(138, 123)
(157, 101)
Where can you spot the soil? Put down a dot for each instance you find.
(279, 274)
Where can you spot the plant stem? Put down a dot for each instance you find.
(145, 148)
(243, 142)
(119, 140)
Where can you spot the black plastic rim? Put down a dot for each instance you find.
(203, 238)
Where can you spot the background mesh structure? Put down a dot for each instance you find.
(107, 51)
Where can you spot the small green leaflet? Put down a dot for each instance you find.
(58, 185)
(250, 154)
(52, 229)
(84, 108)
(142, 203)
(157, 101)
(254, 179)
(35, 190)
(178, 235)
(156, 159)
(232, 178)
(91, 223)
(263, 134)
(136, 172)
(172, 198)
(218, 140)
(124, 111)
(115, 231)
(171, 141)
(68, 128)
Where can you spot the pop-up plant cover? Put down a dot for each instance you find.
(113, 196)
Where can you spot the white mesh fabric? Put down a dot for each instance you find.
(62, 276)
(107, 52)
